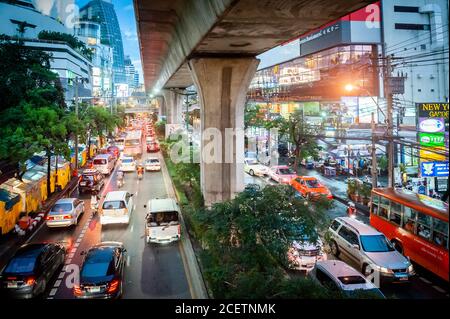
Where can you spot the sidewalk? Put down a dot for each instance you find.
(11, 241)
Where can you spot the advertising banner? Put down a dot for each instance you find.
(431, 125)
(428, 154)
(431, 139)
(434, 169)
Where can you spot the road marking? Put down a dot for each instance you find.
(68, 261)
(132, 228)
(76, 245)
(73, 250)
(425, 280)
(78, 240)
(61, 275)
(439, 289)
(53, 292)
(50, 298)
(57, 283)
(71, 255)
(186, 270)
(128, 261)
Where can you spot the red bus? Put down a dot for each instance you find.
(416, 224)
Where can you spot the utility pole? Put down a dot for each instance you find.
(374, 169)
(390, 121)
(76, 135)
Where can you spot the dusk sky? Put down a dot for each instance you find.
(127, 21)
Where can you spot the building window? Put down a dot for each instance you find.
(405, 9)
(411, 26)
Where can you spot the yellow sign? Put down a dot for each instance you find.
(428, 154)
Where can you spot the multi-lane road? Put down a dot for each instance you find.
(151, 271)
(424, 285)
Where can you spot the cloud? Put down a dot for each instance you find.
(129, 35)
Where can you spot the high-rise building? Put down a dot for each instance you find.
(103, 12)
(130, 70)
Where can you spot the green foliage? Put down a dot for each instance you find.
(71, 40)
(160, 127)
(365, 190)
(301, 134)
(383, 163)
(351, 186)
(248, 238)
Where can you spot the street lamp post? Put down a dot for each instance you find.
(82, 80)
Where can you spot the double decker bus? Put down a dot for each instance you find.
(134, 144)
(416, 224)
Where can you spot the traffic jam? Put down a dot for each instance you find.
(38, 268)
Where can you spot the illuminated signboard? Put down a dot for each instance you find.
(431, 139)
(428, 154)
(431, 125)
(434, 169)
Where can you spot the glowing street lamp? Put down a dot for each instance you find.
(349, 87)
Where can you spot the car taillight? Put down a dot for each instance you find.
(77, 290)
(179, 230)
(11, 278)
(67, 217)
(30, 281)
(50, 218)
(113, 286)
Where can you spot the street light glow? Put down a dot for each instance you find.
(349, 87)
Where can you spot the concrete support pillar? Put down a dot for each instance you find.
(222, 85)
(173, 104)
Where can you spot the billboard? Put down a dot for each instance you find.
(434, 169)
(431, 125)
(433, 110)
(431, 139)
(427, 154)
(362, 26)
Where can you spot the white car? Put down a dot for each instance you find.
(369, 249)
(252, 167)
(337, 275)
(304, 254)
(152, 164)
(127, 164)
(65, 212)
(117, 208)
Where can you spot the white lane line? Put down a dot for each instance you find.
(61, 275)
(73, 250)
(76, 245)
(53, 292)
(71, 255)
(425, 280)
(137, 192)
(128, 261)
(68, 261)
(50, 298)
(132, 228)
(57, 284)
(78, 240)
(439, 289)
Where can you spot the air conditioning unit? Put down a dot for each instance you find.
(431, 76)
(419, 76)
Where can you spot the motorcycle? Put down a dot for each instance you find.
(119, 183)
(140, 173)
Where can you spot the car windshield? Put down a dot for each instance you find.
(113, 204)
(163, 217)
(153, 161)
(313, 183)
(286, 171)
(20, 265)
(375, 244)
(252, 162)
(127, 160)
(352, 280)
(101, 161)
(64, 207)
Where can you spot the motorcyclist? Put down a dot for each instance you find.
(140, 169)
(95, 200)
(119, 178)
(351, 210)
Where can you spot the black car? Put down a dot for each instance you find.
(101, 274)
(28, 273)
(91, 180)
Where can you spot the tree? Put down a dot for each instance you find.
(49, 132)
(301, 135)
(247, 240)
(383, 163)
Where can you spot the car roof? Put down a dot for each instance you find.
(162, 205)
(65, 200)
(308, 178)
(360, 227)
(337, 268)
(280, 166)
(115, 195)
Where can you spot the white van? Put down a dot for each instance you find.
(162, 221)
(104, 163)
(117, 208)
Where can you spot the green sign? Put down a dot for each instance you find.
(431, 139)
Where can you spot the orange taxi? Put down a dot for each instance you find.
(310, 187)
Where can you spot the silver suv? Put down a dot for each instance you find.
(369, 249)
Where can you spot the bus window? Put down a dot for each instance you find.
(424, 226)
(375, 200)
(384, 207)
(395, 215)
(409, 219)
(440, 231)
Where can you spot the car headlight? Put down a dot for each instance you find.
(384, 269)
(411, 268)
